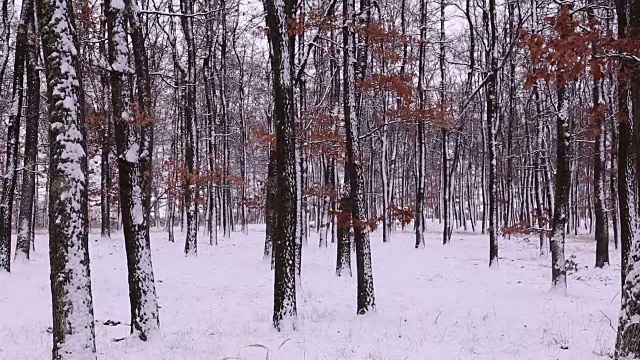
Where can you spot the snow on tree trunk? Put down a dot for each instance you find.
(72, 303)
(446, 178)
(9, 175)
(190, 193)
(599, 166)
(299, 215)
(25, 218)
(326, 227)
(562, 186)
(366, 298)
(386, 188)
(133, 148)
(420, 145)
(628, 337)
(541, 214)
(145, 319)
(105, 182)
(343, 258)
(491, 57)
(278, 13)
(270, 215)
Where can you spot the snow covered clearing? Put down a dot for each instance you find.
(441, 302)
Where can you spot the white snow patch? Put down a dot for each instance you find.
(132, 153)
(441, 302)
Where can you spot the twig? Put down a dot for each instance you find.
(610, 322)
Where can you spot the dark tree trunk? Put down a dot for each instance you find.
(25, 218)
(599, 166)
(366, 298)
(420, 145)
(446, 178)
(284, 235)
(561, 190)
(489, 21)
(105, 163)
(134, 153)
(541, 213)
(343, 259)
(628, 339)
(210, 118)
(190, 193)
(270, 214)
(105, 181)
(9, 174)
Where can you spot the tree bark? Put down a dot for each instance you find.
(9, 174)
(278, 13)
(599, 166)
(366, 298)
(72, 303)
(25, 218)
(343, 258)
(134, 149)
(190, 194)
(562, 187)
(489, 20)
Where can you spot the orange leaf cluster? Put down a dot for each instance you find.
(403, 214)
(399, 84)
(262, 135)
(561, 56)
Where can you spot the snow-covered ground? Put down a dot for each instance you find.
(441, 302)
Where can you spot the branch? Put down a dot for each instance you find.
(166, 13)
(303, 64)
(378, 128)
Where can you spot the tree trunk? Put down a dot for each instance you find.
(10, 174)
(190, 193)
(343, 259)
(25, 218)
(599, 166)
(491, 129)
(446, 179)
(628, 339)
(366, 298)
(72, 303)
(420, 145)
(284, 235)
(562, 188)
(270, 214)
(134, 165)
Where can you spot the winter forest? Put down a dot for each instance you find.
(225, 179)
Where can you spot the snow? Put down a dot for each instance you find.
(132, 153)
(72, 279)
(117, 4)
(441, 302)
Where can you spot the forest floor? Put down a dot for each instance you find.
(441, 302)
